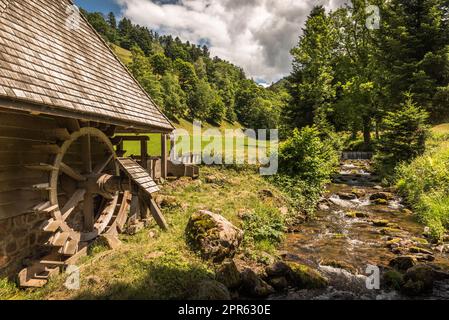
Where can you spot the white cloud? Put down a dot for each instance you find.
(254, 34)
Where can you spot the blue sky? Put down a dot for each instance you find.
(104, 6)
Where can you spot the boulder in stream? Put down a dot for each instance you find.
(381, 195)
(420, 279)
(403, 263)
(304, 277)
(347, 196)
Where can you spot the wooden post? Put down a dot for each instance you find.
(164, 164)
(144, 153)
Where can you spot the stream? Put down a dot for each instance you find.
(353, 230)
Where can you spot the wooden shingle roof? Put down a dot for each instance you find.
(53, 62)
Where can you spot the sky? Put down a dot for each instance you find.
(256, 35)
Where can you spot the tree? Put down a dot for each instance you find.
(201, 99)
(173, 96)
(143, 72)
(413, 41)
(312, 80)
(161, 64)
(404, 134)
(187, 75)
(112, 21)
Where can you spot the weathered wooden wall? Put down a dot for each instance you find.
(20, 136)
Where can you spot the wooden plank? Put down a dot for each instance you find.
(47, 148)
(60, 239)
(41, 167)
(61, 134)
(88, 212)
(138, 174)
(70, 248)
(51, 226)
(72, 173)
(156, 213)
(76, 198)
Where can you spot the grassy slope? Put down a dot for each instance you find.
(164, 267)
(425, 183)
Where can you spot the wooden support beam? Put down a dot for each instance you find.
(144, 154)
(164, 157)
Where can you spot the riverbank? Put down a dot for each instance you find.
(359, 223)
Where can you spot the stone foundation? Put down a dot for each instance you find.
(21, 238)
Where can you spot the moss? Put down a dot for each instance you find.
(394, 241)
(381, 202)
(361, 215)
(351, 214)
(420, 241)
(393, 279)
(381, 223)
(305, 277)
(391, 231)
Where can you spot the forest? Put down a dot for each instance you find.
(186, 82)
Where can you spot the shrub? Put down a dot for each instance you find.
(306, 162)
(265, 225)
(306, 157)
(403, 138)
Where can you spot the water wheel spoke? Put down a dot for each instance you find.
(73, 202)
(88, 211)
(99, 168)
(87, 153)
(72, 173)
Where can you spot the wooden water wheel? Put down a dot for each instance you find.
(87, 196)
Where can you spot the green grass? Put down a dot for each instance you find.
(441, 129)
(125, 55)
(425, 183)
(162, 266)
(154, 144)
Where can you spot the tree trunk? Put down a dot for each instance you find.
(367, 131)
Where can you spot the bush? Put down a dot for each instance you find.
(265, 225)
(306, 157)
(306, 162)
(403, 138)
(425, 185)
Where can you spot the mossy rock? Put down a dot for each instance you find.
(210, 290)
(381, 196)
(380, 202)
(304, 277)
(420, 250)
(213, 236)
(359, 193)
(229, 275)
(394, 242)
(361, 215)
(339, 265)
(381, 223)
(254, 286)
(421, 241)
(351, 214)
(393, 279)
(403, 263)
(421, 278)
(278, 283)
(392, 232)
